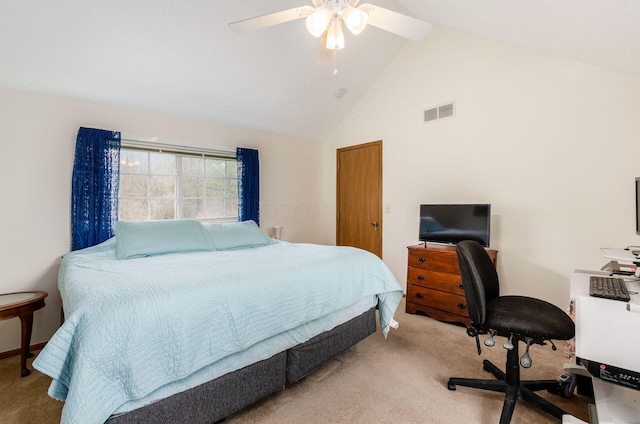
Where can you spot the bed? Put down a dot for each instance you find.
(185, 322)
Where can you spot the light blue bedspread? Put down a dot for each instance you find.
(133, 326)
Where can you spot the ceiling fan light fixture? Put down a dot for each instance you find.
(335, 36)
(318, 21)
(355, 19)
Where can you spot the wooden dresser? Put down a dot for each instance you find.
(434, 285)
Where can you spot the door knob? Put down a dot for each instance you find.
(374, 223)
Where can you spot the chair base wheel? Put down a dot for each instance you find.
(521, 390)
(566, 385)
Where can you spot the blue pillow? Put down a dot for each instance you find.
(148, 238)
(237, 235)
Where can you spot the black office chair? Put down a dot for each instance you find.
(517, 318)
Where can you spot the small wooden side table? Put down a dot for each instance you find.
(22, 305)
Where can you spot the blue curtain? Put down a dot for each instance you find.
(94, 192)
(248, 185)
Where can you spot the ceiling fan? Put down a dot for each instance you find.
(325, 18)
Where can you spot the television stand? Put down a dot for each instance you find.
(434, 285)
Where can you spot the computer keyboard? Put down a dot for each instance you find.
(609, 287)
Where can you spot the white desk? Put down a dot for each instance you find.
(607, 332)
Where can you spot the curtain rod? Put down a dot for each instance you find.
(172, 148)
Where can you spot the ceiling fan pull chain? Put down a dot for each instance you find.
(335, 62)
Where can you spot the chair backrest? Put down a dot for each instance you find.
(479, 278)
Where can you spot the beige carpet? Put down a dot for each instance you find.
(399, 380)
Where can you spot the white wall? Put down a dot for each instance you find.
(552, 144)
(37, 135)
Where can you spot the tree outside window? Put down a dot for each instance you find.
(160, 185)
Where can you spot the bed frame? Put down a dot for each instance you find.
(217, 399)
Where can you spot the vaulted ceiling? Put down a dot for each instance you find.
(179, 56)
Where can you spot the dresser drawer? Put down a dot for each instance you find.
(443, 301)
(414, 308)
(437, 260)
(442, 281)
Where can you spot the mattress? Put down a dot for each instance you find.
(141, 328)
(258, 352)
(215, 400)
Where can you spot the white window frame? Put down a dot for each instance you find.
(180, 152)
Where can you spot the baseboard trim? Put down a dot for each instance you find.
(14, 352)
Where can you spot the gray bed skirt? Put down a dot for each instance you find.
(219, 398)
(306, 357)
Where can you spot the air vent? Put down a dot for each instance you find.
(440, 112)
(431, 114)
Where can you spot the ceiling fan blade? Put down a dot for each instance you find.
(264, 21)
(353, 3)
(317, 3)
(397, 23)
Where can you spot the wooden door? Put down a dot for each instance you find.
(359, 197)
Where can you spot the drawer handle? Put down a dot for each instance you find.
(419, 295)
(460, 285)
(420, 277)
(421, 259)
(462, 305)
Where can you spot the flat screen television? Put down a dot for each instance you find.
(454, 223)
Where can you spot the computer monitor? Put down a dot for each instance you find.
(638, 206)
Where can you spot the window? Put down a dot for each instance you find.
(160, 184)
